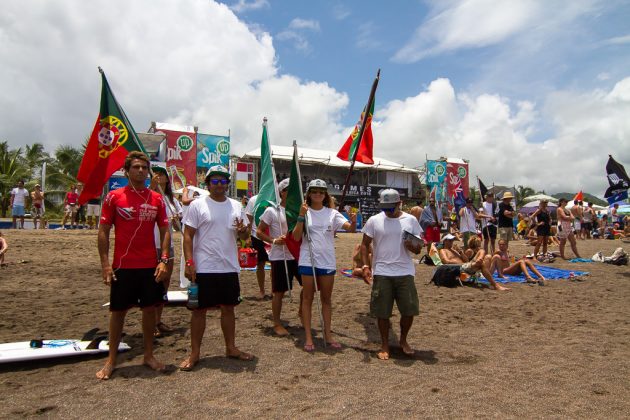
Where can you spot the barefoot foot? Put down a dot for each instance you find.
(188, 364)
(280, 331)
(406, 348)
(382, 355)
(154, 364)
(105, 373)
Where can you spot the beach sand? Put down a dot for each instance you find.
(559, 351)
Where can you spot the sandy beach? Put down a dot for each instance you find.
(559, 351)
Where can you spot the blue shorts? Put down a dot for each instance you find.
(307, 270)
(17, 210)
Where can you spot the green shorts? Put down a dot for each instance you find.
(506, 233)
(387, 289)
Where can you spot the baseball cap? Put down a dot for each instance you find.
(158, 168)
(388, 198)
(283, 185)
(317, 183)
(449, 237)
(218, 170)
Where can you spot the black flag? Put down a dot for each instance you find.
(482, 189)
(617, 177)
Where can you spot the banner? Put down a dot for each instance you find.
(457, 183)
(211, 150)
(436, 175)
(181, 153)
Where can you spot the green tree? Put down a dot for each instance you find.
(11, 171)
(521, 193)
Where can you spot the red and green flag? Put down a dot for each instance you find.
(113, 137)
(364, 152)
(295, 198)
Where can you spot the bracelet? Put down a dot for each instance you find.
(163, 261)
(365, 266)
(164, 257)
(190, 263)
(301, 219)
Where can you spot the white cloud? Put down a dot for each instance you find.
(618, 40)
(298, 23)
(365, 38)
(244, 5)
(463, 24)
(340, 12)
(494, 135)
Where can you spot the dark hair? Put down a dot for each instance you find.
(168, 190)
(135, 155)
(562, 200)
(327, 199)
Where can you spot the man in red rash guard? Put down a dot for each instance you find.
(135, 275)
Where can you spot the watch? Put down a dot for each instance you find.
(163, 260)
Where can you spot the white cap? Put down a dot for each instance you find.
(449, 237)
(317, 183)
(388, 197)
(283, 185)
(218, 170)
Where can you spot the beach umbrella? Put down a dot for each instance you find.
(538, 197)
(531, 207)
(624, 210)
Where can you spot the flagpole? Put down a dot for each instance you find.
(360, 137)
(482, 201)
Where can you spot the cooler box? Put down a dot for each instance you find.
(247, 257)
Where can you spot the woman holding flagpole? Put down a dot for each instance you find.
(317, 263)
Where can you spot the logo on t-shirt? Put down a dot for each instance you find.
(148, 213)
(126, 212)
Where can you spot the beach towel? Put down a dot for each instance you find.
(550, 273)
(580, 260)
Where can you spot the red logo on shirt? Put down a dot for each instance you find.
(126, 212)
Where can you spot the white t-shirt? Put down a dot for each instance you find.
(249, 211)
(487, 209)
(270, 217)
(214, 244)
(19, 196)
(322, 225)
(390, 256)
(169, 213)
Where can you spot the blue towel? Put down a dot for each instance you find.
(581, 260)
(550, 273)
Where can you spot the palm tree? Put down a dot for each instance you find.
(11, 171)
(521, 193)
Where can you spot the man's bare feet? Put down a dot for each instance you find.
(154, 364)
(188, 364)
(280, 331)
(406, 348)
(500, 288)
(106, 372)
(239, 355)
(382, 355)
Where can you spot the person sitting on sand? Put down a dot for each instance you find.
(501, 263)
(3, 250)
(357, 262)
(451, 254)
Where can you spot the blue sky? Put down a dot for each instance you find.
(532, 92)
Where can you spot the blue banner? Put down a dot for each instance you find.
(623, 195)
(435, 177)
(212, 150)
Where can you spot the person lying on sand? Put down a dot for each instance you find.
(452, 254)
(501, 263)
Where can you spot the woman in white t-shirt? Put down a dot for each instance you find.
(319, 241)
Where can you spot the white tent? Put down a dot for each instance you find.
(538, 197)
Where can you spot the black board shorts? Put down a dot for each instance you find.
(218, 289)
(259, 246)
(135, 287)
(279, 276)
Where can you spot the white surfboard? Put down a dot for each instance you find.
(22, 351)
(175, 297)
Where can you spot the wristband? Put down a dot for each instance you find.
(190, 263)
(163, 261)
(365, 266)
(301, 218)
(164, 257)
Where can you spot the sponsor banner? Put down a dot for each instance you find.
(211, 150)
(181, 156)
(436, 178)
(456, 182)
(116, 182)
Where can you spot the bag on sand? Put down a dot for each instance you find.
(619, 257)
(447, 276)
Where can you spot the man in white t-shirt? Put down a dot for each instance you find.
(468, 221)
(272, 228)
(18, 203)
(259, 246)
(487, 212)
(213, 225)
(392, 270)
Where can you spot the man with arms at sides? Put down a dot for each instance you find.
(488, 223)
(18, 204)
(451, 254)
(135, 275)
(394, 271)
(213, 224)
(431, 223)
(506, 214)
(37, 203)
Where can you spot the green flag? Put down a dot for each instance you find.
(295, 197)
(267, 188)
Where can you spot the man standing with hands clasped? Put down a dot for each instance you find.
(135, 275)
(212, 226)
(392, 268)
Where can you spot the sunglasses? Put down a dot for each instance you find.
(313, 191)
(219, 181)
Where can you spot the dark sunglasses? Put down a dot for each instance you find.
(219, 181)
(314, 191)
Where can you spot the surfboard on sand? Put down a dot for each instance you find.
(175, 298)
(48, 349)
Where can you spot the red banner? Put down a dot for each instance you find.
(456, 180)
(181, 155)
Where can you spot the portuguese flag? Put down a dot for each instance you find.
(112, 139)
(364, 154)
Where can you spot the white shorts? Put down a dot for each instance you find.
(93, 210)
(70, 209)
